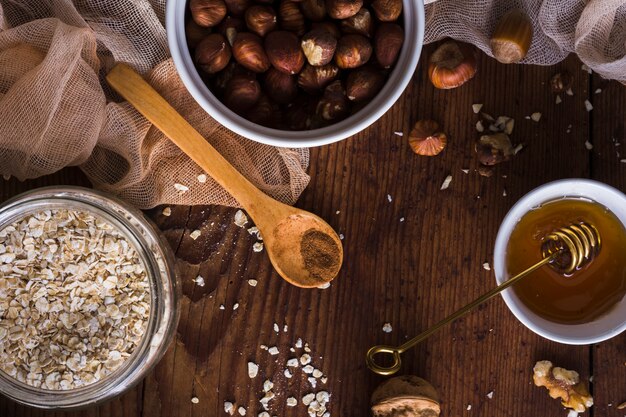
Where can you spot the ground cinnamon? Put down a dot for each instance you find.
(321, 255)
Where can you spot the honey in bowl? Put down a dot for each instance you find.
(589, 292)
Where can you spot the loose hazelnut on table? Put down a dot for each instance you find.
(512, 37)
(360, 23)
(314, 79)
(334, 103)
(387, 10)
(213, 53)
(248, 51)
(242, 92)
(364, 83)
(342, 9)
(426, 139)
(494, 149)
(405, 396)
(291, 18)
(314, 10)
(280, 87)
(561, 82)
(261, 19)
(319, 47)
(284, 51)
(207, 13)
(452, 65)
(352, 51)
(388, 41)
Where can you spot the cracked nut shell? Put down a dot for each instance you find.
(452, 65)
(207, 13)
(561, 82)
(248, 51)
(426, 139)
(343, 9)
(319, 47)
(261, 19)
(388, 41)
(213, 53)
(364, 83)
(280, 87)
(352, 51)
(242, 92)
(387, 10)
(405, 396)
(314, 79)
(494, 149)
(284, 51)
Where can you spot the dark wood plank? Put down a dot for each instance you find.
(609, 141)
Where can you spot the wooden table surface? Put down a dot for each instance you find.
(413, 254)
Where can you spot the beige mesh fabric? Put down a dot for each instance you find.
(56, 110)
(594, 29)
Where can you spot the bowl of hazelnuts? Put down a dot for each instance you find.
(295, 73)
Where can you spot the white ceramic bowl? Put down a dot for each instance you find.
(604, 327)
(399, 78)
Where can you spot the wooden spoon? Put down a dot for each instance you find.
(303, 248)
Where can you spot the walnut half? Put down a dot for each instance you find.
(563, 384)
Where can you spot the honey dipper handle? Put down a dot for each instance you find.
(130, 85)
(380, 350)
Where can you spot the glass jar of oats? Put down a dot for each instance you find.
(88, 297)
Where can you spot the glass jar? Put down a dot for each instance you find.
(158, 260)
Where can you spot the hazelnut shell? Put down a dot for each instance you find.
(405, 396)
(284, 51)
(213, 53)
(207, 13)
(248, 51)
(425, 138)
(352, 51)
(452, 65)
(494, 149)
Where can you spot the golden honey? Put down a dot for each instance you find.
(586, 294)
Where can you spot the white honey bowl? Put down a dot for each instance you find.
(413, 14)
(604, 327)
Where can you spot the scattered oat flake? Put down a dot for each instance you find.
(504, 192)
(291, 402)
(202, 178)
(598, 91)
(195, 400)
(252, 282)
(253, 369)
(276, 328)
(465, 170)
(324, 286)
(240, 218)
(401, 219)
(257, 247)
(267, 385)
(241, 411)
(263, 414)
(387, 328)
(263, 347)
(312, 381)
(299, 343)
(255, 231)
(572, 413)
(167, 212)
(235, 306)
(558, 99)
(588, 145)
(486, 266)
(476, 108)
(398, 133)
(293, 362)
(229, 408)
(287, 373)
(199, 281)
(181, 188)
(389, 198)
(324, 379)
(535, 117)
(588, 105)
(446, 182)
(305, 359)
(308, 399)
(469, 407)
(569, 91)
(518, 148)
(273, 350)
(479, 126)
(308, 369)
(317, 373)
(490, 395)
(222, 307)
(341, 236)
(195, 234)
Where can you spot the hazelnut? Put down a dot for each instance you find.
(313, 79)
(343, 9)
(314, 10)
(195, 33)
(223, 77)
(334, 104)
(260, 19)
(242, 92)
(264, 112)
(364, 83)
(452, 64)
(213, 53)
(329, 27)
(405, 396)
(493, 149)
(248, 51)
(319, 47)
(291, 18)
(561, 82)
(207, 13)
(485, 171)
(284, 51)
(387, 10)
(230, 27)
(388, 41)
(426, 139)
(512, 37)
(299, 114)
(360, 23)
(280, 87)
(237, 7)
(353, 51)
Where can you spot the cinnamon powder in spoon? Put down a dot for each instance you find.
(321, 255)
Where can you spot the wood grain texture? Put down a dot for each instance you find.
(408, 262)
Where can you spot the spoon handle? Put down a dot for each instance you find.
(130, 85)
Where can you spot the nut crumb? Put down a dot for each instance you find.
(486, 266)
(291, 402)
(446, 182)
(490, 395)
(252, 282)
(267, 385)
(276, 328)
(558, 99)
(401, 219)
(598, 91)
(465, 170)
(235, 306)
(287, 373)
(324, 286)
(202, 178)
(569, 91)
(299, 343)
(308, 369)
(181, 188)
(622, 406)
(255, 231)
(167, 212)
(229, 408)
(479, 126)
(469, 407)
(398, 133)
(572, 413)
(293, 362)
(195, 234)
(273, 350)
(195, 400)
(257, 247)
(535, 117)
(387, 328)
(588, 145)
(199, 281)
(389, 198)
(241, 411)
(253, 369)
(476, 108)
(518, 148)
(222, 307)
(240, 218)
(588, 105)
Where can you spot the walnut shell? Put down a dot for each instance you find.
(405, 396)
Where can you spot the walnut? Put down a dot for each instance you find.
(563, 384)
(405, 396)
